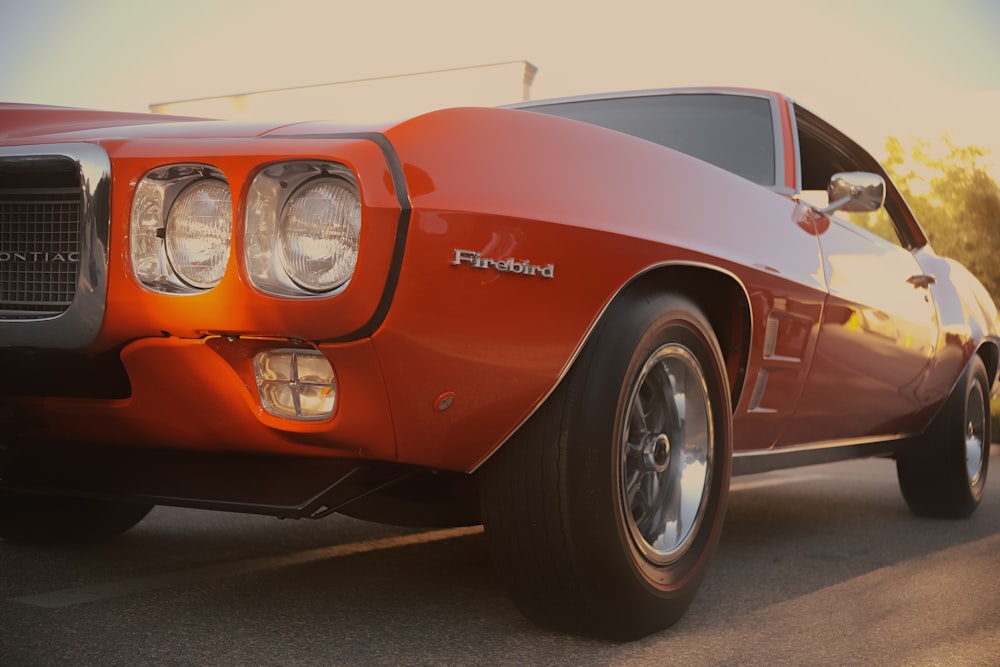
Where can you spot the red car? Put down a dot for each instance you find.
(572, 321)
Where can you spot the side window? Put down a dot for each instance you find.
(734, 132)
(823, 152)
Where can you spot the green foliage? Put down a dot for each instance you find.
(955, 199)
(958, 204)
(995, 419)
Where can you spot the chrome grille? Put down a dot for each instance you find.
(55, 224)
(39, 250)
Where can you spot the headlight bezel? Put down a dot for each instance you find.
(272, 190)
(150, 220)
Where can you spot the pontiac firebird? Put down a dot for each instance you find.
(572, 321)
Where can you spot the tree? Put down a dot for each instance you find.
(957, 204)
(955, 199)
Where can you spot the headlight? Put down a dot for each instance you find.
(318, 234)
(199, 227)
(181, 228)
(303, 228)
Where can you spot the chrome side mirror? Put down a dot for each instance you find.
(855, 192)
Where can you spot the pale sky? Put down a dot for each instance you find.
(910, 68)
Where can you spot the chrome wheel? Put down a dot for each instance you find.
(603, 511)
(667, 457)
(975, 428)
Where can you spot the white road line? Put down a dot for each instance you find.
(744, 485)
(69, 597)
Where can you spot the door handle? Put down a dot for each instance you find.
(924, 281)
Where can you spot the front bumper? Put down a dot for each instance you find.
(201, 395)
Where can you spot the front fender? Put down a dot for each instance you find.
(524, 227)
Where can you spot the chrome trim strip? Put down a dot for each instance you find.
(758, 461)
(652, 92)
(79, 324)
(795, 138)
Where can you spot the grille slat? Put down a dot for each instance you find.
(40, 237)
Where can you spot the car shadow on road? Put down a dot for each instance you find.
(791, 535)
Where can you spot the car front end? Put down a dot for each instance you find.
(172, 289)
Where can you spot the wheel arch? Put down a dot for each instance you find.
(725, 303)
(989, 352)
(584, 563)
(721, 297)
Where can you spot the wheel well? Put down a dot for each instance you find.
(990, 355)
(724, 302)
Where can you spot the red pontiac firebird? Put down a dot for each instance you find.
(572, 321)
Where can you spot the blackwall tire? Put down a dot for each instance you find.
(602, 513)
(943, 474)
(43, 519)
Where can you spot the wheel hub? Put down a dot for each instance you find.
(975, 429)
(656, 452)
(666, 479)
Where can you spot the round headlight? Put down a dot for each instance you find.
(198, 233)
(319, 232)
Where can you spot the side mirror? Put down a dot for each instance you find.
(855, 192)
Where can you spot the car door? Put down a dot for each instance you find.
(876, 342)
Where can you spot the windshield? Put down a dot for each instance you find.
(734, 132)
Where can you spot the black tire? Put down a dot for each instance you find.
(43, 519)
(943, 474)
(574, 553)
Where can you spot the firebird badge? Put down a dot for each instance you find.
(522, 267)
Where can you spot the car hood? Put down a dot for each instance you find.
(32, 123)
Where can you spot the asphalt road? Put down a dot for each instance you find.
(817, 566)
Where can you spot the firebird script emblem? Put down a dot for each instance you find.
(523, 267)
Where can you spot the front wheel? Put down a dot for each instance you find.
(603, 511)
(44, 519)
(943, 475)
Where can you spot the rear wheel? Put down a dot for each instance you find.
(943, 475)
(603, 511)
(45, 519)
